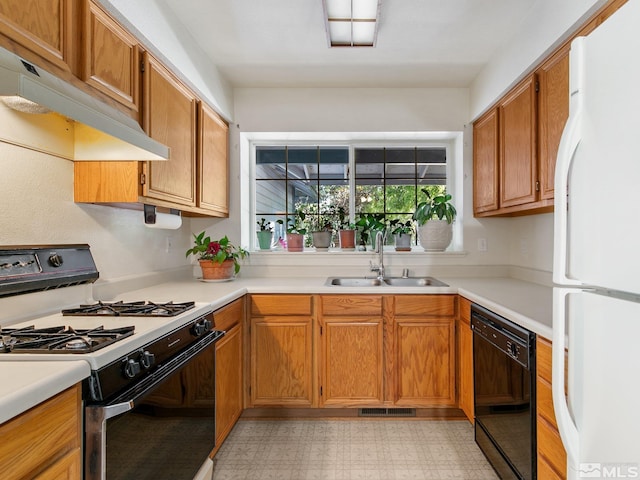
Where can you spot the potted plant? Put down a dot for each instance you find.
(264, 233)
(346, 230)
(402, 232)
(434, 217)
(295, 231)
(321, 232)
(369, 224)
(219, 259)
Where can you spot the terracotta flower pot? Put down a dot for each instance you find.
(217, 271)
(347, 239)
(295, 242)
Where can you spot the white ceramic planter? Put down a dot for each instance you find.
(435, 235)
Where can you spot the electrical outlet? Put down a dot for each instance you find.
(168, 245)
(482, 244)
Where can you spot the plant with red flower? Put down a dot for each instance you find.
(217, 250)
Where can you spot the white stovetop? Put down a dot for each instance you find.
(525, 303)
(146, 330)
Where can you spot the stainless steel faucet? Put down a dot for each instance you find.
(380, 251)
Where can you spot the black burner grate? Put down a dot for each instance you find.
(131, 309)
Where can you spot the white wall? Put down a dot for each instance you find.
(362, 110)
(169, 40)
(548, 24)
(36, 194)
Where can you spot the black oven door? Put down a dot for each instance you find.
(162, 428)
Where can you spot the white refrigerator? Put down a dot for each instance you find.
(596, 312)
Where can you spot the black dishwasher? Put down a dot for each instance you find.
(504, 394)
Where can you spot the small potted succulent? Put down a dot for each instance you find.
(402, 232)
(296, 231)
(435, 217)
(219, 259)
(264, 233)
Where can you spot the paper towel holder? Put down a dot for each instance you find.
(151, 216)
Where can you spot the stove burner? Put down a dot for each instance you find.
(131, 309)
(60, 339)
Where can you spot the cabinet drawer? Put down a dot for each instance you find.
(425, 305)
(229, 316)
(280, 305)
(465, 310)
(550, 446)
(351, 305)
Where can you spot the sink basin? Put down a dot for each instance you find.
(387, 282)
(414, 282)
(353, 282)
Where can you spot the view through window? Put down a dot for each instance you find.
(361, 183)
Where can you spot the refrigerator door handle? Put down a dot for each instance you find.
(566, 425)
(569, 142)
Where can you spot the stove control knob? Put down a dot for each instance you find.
(131, 368)
(55, 260)
(147, 359)
(201, 328)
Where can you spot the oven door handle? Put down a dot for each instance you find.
(96, 417)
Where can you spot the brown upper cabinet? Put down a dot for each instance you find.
(43, 27)
(516, 141)
(110, 60)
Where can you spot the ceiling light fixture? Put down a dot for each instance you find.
(351, 23)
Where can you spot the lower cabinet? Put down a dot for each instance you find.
(552, 458)
(281, 360)
(352, 356)
(465, 358)
(45, 441)
(424, 350)
(229, 368)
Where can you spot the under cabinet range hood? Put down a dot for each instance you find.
(100, 131)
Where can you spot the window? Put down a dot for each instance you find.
(364, 172)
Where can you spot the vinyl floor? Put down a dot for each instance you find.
(343, 449)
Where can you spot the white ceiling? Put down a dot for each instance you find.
(281, 43)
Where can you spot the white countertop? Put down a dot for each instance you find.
(25, 384)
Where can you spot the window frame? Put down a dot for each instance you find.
(450, 141)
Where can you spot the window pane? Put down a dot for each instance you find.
(400, 198)
(401, 155)
(432, 174)
(270, 197)
(431, 155)
(270, 162)
(369, 198)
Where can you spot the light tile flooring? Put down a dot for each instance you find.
(371, 449)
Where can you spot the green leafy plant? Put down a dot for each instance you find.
(435, 207)
(401, 228)
(217, 250)
(295, 224)
(344, 222)
(264, 226)
(369, 222)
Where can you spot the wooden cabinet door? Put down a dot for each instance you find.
(281, 361)
(213, 167)
(465, 359)
(111, 59)
(518, 161)
(352, 361)
(424, 350)
(42, 26)
(45, 441)
(425, 353)
(229, 382)
(485, 163)
(170, 118)
(553, 111)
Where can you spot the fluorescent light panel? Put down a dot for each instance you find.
(351, 23)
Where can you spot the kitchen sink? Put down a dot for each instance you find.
(385, 282)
